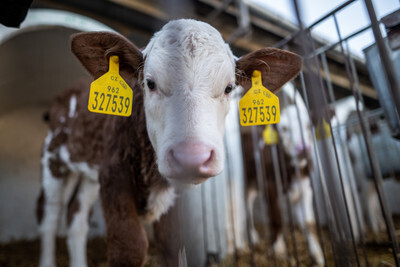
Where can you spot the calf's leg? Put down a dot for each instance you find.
(167, 234)
(126, 238)
(78, 220)
(50, 203)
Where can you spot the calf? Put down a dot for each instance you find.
(387, 151)
(181, 85)
(295, 148)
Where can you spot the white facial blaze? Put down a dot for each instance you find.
(191, 66)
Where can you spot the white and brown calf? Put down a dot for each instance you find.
(295, 148)
(181, 86)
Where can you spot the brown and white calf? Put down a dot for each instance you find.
(294, 150)
(181, 85)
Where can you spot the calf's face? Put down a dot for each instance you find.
(294, 131)
(187, 73)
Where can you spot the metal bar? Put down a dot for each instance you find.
(323, 49)
(333, 225)
(316, 212)
(339, 168)
(286, 40)
(216, 220)
(331, 13)
(289, 205)
(387, 65)
(325, 205)
(279, 187)
(336, 207)
(351, 78)
(296, 167)
(204, 217)
(232, 216)
(248, 230)
(328, 78)
(357, 85)
(260, 184)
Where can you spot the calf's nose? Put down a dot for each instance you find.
(301, 148)
(192, 159)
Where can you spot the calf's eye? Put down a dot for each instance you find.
(151, 85)
(228, 89)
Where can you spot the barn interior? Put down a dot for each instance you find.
(37, 65)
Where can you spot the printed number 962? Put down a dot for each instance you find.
(259, 114)
(107, 102)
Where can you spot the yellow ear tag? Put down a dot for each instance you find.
(110, 94)
(323, 126)
(258, 106)
(270, 135)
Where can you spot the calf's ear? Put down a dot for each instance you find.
(94, 49)
(277, 67)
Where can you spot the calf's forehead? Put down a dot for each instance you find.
(185, 46)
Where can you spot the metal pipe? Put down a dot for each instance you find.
(232, 216)
(387, 64)
(204, 218)
(331, 13)
(248, 219)
(289, 205)
(321, 176)
(357, 85)
(316, 212)
(279, 187)
(216, 220)
(260, 173)
(351, 81)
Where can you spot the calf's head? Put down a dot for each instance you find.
(187, 73)
(294, 131)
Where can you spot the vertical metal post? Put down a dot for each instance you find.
(316, 212)
(204, 218)
(328, 77)
(260, 184)
(216, 221)
(289, 205)
(248, 214)
(232, 215)
(279, 188)
(385, 58)
(351, 81)
(327, 208)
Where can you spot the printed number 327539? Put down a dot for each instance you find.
(107, 102)
(259, 114)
